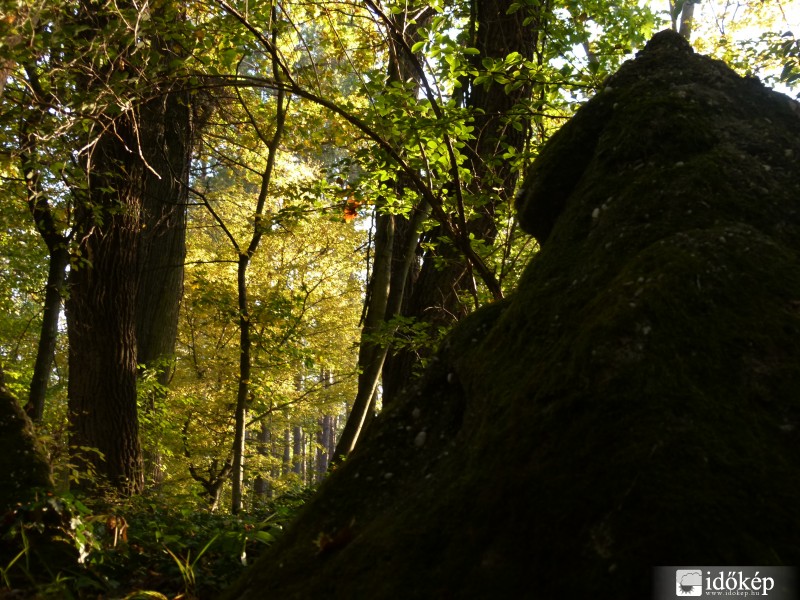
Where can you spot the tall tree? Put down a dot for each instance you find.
(40, 146)
(57, 242)
(135, 163)
(269, 142)
(496, 29)
(395, 242)
(166, 141)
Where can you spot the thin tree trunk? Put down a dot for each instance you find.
(243, 392)
(298, 460)
(275, 471)
(370, 353)
(56, 275)
(325, 441)
(57, 246)
(261, 487)
(287, 451)
(687, 19)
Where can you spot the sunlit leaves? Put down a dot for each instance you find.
(755, 38)
(788, 47)
(306, 281)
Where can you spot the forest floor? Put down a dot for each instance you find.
(149, 547)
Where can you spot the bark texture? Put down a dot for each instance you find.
(633, 404)
(167, 144)
(126, 276)
(162, 244)
(101, 319)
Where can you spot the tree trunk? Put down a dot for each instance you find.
(162, 246)
(687, 19)
(261, 486)
(128, 224)
(243, 393)
(370, 353)
(287, 451)
(298, 453)
(56, 243)
(101, 315)
(325, 445)
(56, 274)
(435, 296)
(57, 246)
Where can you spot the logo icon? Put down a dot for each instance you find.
(688, 583)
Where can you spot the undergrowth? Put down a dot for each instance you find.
(146, 547)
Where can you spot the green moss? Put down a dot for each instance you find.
(24, 469)
(633, 404)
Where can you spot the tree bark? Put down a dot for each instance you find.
(243, 390)
(687, 19)
(130, 232)
(324, 446)
(436, 295)
(262, 487)
(101, 315)
(162, 246)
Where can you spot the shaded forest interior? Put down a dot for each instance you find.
(266, 298)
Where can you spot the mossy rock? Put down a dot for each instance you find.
(634, 404)
(26, 502)
(23, 467)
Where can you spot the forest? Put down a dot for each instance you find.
(234, 233)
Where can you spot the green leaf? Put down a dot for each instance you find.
(264, 537)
